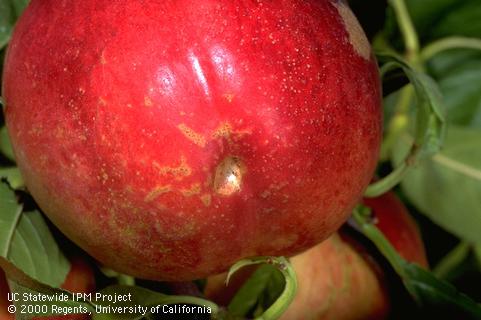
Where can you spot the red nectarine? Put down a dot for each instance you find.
(170, 139)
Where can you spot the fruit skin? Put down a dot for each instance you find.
(170, 139)
(339, 279)
(80, 279)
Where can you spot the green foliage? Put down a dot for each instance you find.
(265, 280)
(434, 19)
(458, 73)
(26, 242)
(13, 177)
(266, 275)
(421, 284)
(5, 145)
(10, 10)
(428, 290)
(447, 187)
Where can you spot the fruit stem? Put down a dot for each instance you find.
(449, 43)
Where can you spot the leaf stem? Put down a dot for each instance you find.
(387, 183)
(290, 288)
(362, 216)
(408, 31)
(449, 43)
(453, 259)
(126, 280)
(398, 122)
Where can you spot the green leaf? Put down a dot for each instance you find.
(283, 301)
(26, 242)
(463, 20)
(440, 18)
(5, 145)
(19, 6)
(13, 176)
(10, 212)
(431, 291)
(447, 186)
(34, 250)
(459, 75)
(452, 260)
(249, 294)
(10, 10)
(421, 284)
(143, 302)
(7, 19)
(477, 253)
(430, 123)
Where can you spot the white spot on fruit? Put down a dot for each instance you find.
(357, 37)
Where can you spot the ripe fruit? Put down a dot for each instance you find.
(80, 279)
(338, 279)
(170, 139)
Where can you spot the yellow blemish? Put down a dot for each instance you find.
(278, 186)
(206, 199)
(157, 191)
(179, 172)
(229, 97)
(193, 190)
(103, 177)
(208, 180)
(35, 130)
(102, 58)
(59, 133)
(193, 136)
(357, 37)
(102, 102)
(265, 194)
(224, 130)
(147, 101)
(228, 176)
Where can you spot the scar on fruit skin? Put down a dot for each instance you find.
(228, 176)
(357, 37)
(157, 191)
(147, 101)
(181, 171)
(225, 130)
(193, 136)
(193, 190)
(206, 199)
(229, 97)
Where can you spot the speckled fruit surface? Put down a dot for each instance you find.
(169, 139)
